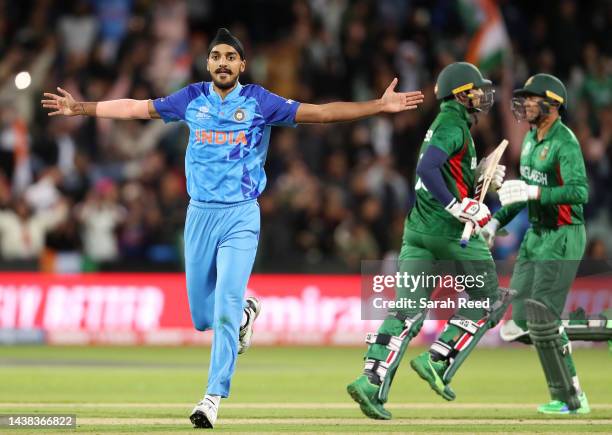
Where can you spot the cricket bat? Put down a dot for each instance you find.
(482, 187)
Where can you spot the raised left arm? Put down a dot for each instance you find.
(390, 102)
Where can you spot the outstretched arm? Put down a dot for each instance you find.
(64, 104)
(390, 102)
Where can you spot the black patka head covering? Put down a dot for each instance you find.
(224, 36)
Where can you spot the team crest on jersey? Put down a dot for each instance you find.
(239, 115)
(544, 153)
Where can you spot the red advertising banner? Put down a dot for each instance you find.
(153, 309)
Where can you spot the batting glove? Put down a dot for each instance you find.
(470, 210)
(489, 230)
(498, 175)
(513, 191)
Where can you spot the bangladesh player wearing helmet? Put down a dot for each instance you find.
(444, 203)
(553, 186)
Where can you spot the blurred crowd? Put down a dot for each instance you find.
(94, 194)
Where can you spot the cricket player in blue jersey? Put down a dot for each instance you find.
(230, 127)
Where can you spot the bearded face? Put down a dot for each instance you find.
(225, 65)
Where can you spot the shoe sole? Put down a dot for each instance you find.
(575, 412)
(554, 412)
(430, 380)
(199, 420)
(242, 349)
(364, 404)
(583, 410)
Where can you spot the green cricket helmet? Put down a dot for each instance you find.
(460, 77)
(547, 86)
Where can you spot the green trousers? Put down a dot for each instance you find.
(545, 269)
(419, 254)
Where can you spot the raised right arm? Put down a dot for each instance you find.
(65, 104)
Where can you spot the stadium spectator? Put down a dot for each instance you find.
(100, 216)
(23, 231)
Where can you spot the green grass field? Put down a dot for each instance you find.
(129, 390)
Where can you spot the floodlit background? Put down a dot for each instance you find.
(111, 195)
(106, 197)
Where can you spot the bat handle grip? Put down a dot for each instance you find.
(467, 232)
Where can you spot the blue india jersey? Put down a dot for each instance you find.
(228, 139)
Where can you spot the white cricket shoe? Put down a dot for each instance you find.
(246, 332)
(510, 331)
(204, 414)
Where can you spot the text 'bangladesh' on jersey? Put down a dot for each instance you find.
(450, 132)
(556, 165)
(228, 138)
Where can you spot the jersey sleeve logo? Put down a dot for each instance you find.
(428, 135)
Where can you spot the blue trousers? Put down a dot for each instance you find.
(220, 245)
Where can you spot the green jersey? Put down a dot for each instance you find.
(450, 132)
(556, 165)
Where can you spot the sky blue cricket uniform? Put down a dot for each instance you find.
(228, 142)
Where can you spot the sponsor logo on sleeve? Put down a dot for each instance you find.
(203, 113)
(428, 135)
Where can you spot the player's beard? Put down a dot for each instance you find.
(535, 119)
(228, 84)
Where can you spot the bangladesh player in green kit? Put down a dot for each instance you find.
(444, 203)
(553, 187)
